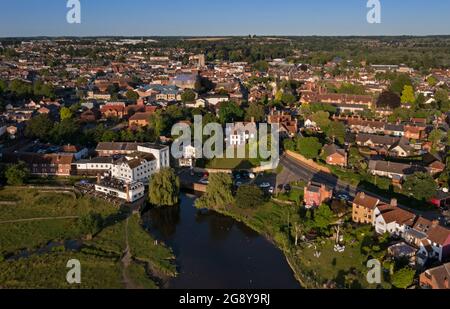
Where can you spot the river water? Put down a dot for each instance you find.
(215, 251)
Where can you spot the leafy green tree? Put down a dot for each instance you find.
(420, 185)
(309, 147)
(218, 192)
(255, 111)
(67, 131)
(158, 122)
(249, 196)
(65, 113)
(164, 188)
(336, 131)
(398, 84)
(90, 224)
(132, 95)
(403, 278)
(188, 96)
(408, 95)
(432, 81)
(322, 119)
(435, 137)
(288, 98)
(230, 112)
(109, 136)
(39, 127)
(289, 144)
(261, 66)
(17, 174)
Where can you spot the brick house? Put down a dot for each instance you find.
(140, 119)
(363, 208)
(114, 110)
(334, 155)
(315, 194)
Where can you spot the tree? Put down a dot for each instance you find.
(435, 137)
(164, 188)
(403, 278)
(230, 112)
(288, 98)
(408, 95)
(158, 122)
(255, 111)
(389, 99)
(323, 217)
(65, 113)
(309, 147)
(132, 95)
(261, 66)
(249, 196)
(90, 224)
(65, 132)
(432, 81)
(399, 83)
(39, 127)
(17, 174)
(420, 185)
(188, 96)
(322, 119)
(218, 192)
(336, 131)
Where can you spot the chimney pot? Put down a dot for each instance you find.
(363, 195)
(394, 202)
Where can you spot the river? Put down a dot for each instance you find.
(215, 251)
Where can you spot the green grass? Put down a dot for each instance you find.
(33, 203)
(295, 195)
(49, 271)
(144, 248)
(100, 257)
(138, 274)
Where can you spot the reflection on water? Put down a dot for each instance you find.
(215, 251)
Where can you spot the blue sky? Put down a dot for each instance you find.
(230, 17)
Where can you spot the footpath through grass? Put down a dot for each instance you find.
(100, 257)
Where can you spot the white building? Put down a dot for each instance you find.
(130, 192)
(240, 133)
(137, 168)
(160, 152)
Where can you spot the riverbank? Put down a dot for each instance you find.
(315, 263)
(34, 249)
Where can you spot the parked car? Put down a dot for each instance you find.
(271, 190)
(204, 181)
(265, 185)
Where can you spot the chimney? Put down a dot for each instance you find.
(435, 223)
(252, 120)
(98, 178)
(362, 195)
(446, 283)
(394, 202)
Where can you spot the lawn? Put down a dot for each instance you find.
(49, 271)
(32, 203)
(99, 257)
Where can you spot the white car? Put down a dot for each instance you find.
(251, 176)
(271, 190)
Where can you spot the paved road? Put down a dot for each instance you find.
(294, 170)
